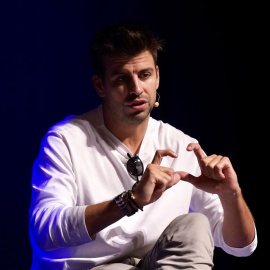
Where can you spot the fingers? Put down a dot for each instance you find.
(154, 182)
(217, 167)
(162, 153)
(211, 166)
(196, 148)
(164, 176)
(156, 179)
(161, 176)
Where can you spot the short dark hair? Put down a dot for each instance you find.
(123, 40)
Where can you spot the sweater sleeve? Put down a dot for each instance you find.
(55, 219)
(210, 205)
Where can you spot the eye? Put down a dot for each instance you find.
(120, 79)
(145, 75)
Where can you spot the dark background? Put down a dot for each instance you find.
(212, 87)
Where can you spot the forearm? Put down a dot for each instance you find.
(55, 226)
(100, 216)
(238, 226)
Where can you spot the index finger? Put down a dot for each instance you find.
(196, 148)
(162, 153)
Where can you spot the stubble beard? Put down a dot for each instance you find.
(136, 118)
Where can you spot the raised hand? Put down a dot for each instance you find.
(217, 173)
(156, 179)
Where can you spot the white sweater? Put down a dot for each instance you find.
(81, 163)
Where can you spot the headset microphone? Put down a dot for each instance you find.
(157, 102)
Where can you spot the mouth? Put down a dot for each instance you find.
(138, 104)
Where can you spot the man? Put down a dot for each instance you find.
(116, 189)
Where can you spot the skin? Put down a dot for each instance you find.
(128, 90)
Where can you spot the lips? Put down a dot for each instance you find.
(137, 104)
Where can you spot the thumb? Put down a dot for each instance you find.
(184, 176)
(176, 178)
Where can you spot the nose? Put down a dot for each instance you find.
(135, 87)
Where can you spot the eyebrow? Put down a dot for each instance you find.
(148, 69)
(124, 72)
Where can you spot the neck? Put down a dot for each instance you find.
(134, 140)
(130, 135)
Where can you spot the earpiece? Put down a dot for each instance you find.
(157, 102)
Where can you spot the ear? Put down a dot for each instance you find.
(157, 73)
(98, 84)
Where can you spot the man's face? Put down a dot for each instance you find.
(129, 89)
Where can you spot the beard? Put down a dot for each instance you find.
(124, 117)
(137, 117)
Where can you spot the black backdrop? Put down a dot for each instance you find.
(211, 79)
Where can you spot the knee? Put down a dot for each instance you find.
(196, 220)
(191, 225)
(191, 219)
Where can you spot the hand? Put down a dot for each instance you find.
(156, 179)
(217, 173)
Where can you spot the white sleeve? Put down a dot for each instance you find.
(55, 220)
(210, 205)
